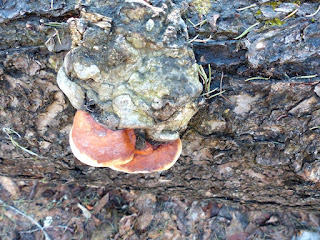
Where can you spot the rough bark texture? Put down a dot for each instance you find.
(257, 145)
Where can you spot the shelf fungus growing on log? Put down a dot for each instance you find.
(98, 146)
(160, 158)
(132, 68)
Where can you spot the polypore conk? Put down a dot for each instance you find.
(136, 69)
(160, 159)
(97, 146)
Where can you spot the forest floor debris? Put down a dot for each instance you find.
(45, 210)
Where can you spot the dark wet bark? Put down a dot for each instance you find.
(258, 145)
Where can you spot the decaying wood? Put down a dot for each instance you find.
(258, 145)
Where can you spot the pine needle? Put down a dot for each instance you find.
(246, 31)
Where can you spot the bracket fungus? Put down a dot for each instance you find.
(160, 158)
(132, 68)
(98, 146)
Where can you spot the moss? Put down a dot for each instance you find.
(258, 13)
(273, 4)
(274, 22)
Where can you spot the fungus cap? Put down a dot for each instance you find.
(98, 146)
(160, 159)
(147, 150)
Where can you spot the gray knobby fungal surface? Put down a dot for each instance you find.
(134, 70)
